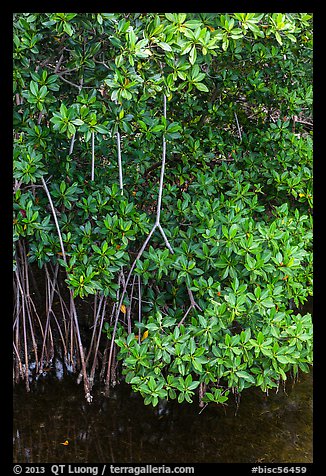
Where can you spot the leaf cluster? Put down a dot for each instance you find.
(237, 197)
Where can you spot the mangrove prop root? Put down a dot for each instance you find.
(158, 225)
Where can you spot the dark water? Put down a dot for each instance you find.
(121, 429)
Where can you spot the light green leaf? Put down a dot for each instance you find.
(193, 55)
(164, 46)
(33, 86)
(201, 87)
(245, 376)
(278, 38)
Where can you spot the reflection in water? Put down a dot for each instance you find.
(121, 429)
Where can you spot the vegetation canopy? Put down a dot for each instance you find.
(163, 191)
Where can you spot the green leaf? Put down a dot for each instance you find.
(132, 37)
(171, 17)
(63, 110)
(101, 129)
(278, 37)
(68, 29)
(43, 92)
(33, 86)
(181, 397)
(56, 119)
(282, 359)
(193, 55)
(233, 230)
(197, 365)
(201, 87)
(193, 385)
(164, 46)
(78, 122)
(246, 376)
(71, 129)
(151, 326)
(268, 303)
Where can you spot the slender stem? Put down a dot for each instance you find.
(69, 82)
(96, 317)
(119, 161)
(139, 306)
(25, 345)
(49, 300)
(105, 353)
(165, 238)
(239, 129)
(58, 64)
(51, 343)
(91, 378)
(73, 307)
(193, 305)
(61, 334)
(192, 300)
(140, 252)
(72, 143)
(203, 409)
(186, 314)
(18, 359)
(159, 200)
(73, 84)
(28, 300)
(71, 338)
(156, 224)
(88, 395)
(48, 307)
(129, 307)
(93, 158)
(55, 219)
(121, 299)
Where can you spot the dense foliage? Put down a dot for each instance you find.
(213, 301)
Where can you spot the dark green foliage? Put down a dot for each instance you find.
(217, 313)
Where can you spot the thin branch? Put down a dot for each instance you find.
(128, 313)
(165, 238)
(119, 161)
(156, 225)
(24, 335)
(55, 219)
(305, 122)
(69, 82)
(102, 62)
(193, 305)
(159, 201)
(88, 395)
(58, 64)
(238, 126)
(202, 409)
(93, 158)
(72, 143)
(186, 314)
(140, 252)
(66, 71)
(160, 191)
(91, 378)
(139, 306)
(74, 84)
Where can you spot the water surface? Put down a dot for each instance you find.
(121, 429)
